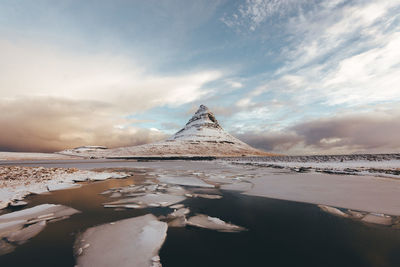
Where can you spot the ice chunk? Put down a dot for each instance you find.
(26, 233)
(10, 226)
(377, 219)
(355, 214)
(130, 242)
(149, 199)
(208, 196)
(178, 222)
(19, 226)
(179, 213)
(187, 181)
(96, 176)
(62, 186)
(176, 190)
(18, 203)
(333, 211)
(5, 247)
(213, 223)
(116, 195)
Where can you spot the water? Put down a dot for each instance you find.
(280, 233)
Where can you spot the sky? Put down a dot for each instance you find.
(287, 76)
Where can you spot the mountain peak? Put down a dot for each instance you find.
(203, 117)
(203, 124)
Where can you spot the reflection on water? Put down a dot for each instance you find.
(281, 233)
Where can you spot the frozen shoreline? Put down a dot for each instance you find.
(18, 182)
(364, 191)
(8, 156)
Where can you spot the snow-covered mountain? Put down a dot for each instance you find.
(201, 136)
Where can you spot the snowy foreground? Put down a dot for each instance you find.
(366, 197)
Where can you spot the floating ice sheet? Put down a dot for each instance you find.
(333, 211)
(213, 223)
(187, 181)
(152, 200)
(378, 219)
(130, 242)
(20, 226)
(179, 213)
(62, 186)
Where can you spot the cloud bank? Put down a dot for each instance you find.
(52, 124)
(371, 132)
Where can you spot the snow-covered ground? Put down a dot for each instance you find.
(383, 165)
(17, 182)
(5, 156)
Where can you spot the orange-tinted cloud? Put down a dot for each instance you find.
(46, 124)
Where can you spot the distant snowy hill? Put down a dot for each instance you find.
(201, 136)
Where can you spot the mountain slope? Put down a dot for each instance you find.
(201, 136)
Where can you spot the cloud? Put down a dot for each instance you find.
(49, 124)
(271, 141)
(36, 70)
(370, 132)
(336, 54)
(254, 12)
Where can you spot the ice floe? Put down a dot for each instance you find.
(62, 186)
(333, 211)
(179, 213)
(378, 219)
(130, 242)
(213, 223)
(186, 181)
(149, 200)
(178, 222)
(374, 218)
(19, 226)
(207, 196)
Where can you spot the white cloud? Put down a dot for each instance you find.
(254, 12)
(344, 55)
(36, 70)
(328, 30)
(234, 84)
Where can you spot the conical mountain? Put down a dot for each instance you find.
(201, 136)
(204, 127)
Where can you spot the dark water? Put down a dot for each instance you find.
(281, 233)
